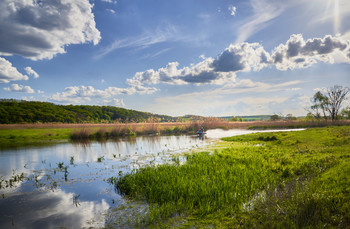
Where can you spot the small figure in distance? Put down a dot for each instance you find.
(201, 133)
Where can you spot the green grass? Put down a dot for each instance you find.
(11, 138)
(265, 180)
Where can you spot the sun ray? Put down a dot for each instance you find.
(336, 17)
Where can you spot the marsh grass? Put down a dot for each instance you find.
(301, 179)
(19, 135)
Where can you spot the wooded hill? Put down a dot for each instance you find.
(15, 111)
(250, 118)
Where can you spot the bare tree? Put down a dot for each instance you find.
(336, 95)
(329, 101)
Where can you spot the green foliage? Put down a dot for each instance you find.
(11, 138)
(13, 111)
(345, 113)
(263, 180)
(275, 117)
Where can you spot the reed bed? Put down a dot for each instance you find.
(264, 180)
(208, 123)
(18, 135)
(133, 129)
(207, 183)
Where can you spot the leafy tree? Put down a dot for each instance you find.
(14, 111)
(290, 117)
(345, 113)
(275, 117)
(329, 102)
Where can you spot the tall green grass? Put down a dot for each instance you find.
(285, 179)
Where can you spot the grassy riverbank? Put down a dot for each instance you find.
(18, 135)
(263, 180)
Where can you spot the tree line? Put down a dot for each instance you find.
(15, 111)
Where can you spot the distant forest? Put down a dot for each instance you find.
(14, 111)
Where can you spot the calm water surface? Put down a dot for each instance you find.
(66, 185)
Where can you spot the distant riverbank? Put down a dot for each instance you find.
(18, 135)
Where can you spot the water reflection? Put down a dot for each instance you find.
(50, 210)
(65, 185)
(220, 133)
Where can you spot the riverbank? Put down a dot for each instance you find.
(18, 135)
(262, 180)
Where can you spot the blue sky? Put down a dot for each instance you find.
(203, 57)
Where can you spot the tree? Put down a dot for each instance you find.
(290, 117)
(320, 102)
(336, 96)
(345, 113)
(275, 117)
(329, 101)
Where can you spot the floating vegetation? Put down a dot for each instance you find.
(76, 200)
(99, 159)
(66, 173)
(15, 179)
(60, 165)
(71, 160)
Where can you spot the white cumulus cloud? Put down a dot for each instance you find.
(119, 102)
(246, 57)
(19, 88)
(9, 73)
(109, 1)
(31, 72)
(300, 53)
(41, 29)
(111, 11)
(80, 94)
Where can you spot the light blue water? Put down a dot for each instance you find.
(65, 185)
(50, 196)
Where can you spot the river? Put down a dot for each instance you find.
(66, 185)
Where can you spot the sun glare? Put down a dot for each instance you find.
(332, 10)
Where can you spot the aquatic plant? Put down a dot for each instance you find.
(9, 183)
(304, 176)
(99, 159)
(71, 160)
(60, 165)
(76, 200)
(66, 173)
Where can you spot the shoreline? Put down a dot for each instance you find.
(18, 135)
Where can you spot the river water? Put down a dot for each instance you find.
(66, 185)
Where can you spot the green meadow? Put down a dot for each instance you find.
(265, 180)
(12, 138)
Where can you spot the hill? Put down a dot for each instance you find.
(14, 111)
(250, 118)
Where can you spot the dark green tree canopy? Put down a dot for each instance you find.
(13, 111)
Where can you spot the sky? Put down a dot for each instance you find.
(175, 57)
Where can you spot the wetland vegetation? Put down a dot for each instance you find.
(19, 135)
(265, 180)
